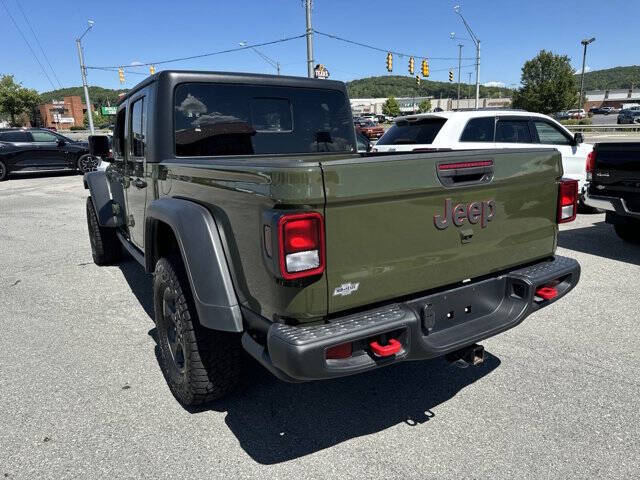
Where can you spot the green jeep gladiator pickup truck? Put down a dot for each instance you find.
(268, 233)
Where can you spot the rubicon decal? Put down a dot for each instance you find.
(476, 212)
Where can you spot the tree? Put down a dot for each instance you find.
(424, 106)
(99, 120)
(548, 84)
(15, 99)
(391, 107)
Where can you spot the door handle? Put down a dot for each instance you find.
(139, 183)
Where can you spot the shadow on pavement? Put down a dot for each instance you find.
(599, 239)
(275, 421)
(49, 173)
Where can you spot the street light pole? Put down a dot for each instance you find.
(307, 5)
(83, 72)
(584, 42)
(475, 40)
(459, 72)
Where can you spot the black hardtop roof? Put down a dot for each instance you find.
(181, 76)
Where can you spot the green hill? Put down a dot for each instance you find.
(611, 78)
(399, 86)
(98, 95)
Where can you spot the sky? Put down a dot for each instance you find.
(130, 32)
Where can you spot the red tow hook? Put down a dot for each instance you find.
(393, 347)
(547, 293)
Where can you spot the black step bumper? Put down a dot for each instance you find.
(427, 327)
(610, 204)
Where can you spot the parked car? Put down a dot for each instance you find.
(561, 116)
(487, 129)
(613, 171)
(39, 149)
(607, 110)
(369, 129)
(628, 117)
(286, 244)
(577, 114)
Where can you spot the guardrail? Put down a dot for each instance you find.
(604, 128)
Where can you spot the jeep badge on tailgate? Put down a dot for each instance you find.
(475, 212)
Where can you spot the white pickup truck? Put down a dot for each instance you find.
(488, 129)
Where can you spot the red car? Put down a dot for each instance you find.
(369, 129)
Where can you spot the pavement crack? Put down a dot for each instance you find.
(15, 283)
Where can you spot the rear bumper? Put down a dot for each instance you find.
(611, 204)
(427, 327)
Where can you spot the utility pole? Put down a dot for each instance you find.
(469, 87)
(307, 5)
(83, 72)
(475, 40)
(459, 70)
(584, 58)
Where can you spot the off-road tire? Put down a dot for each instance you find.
(4, 173)
(87, 163)
(628, 232)
(105, 246)
(200, 365)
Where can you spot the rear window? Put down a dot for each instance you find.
(15, 136)
(513, 131)
(421, 132)
(219, 119)
(479, 130)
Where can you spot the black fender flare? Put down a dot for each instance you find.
(99, 187)
(204, 259)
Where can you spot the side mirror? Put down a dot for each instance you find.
(578, 138)
(99, 145)
(61, 142)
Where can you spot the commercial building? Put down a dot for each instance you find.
(410, 104)
(63, 114)
(611, 98)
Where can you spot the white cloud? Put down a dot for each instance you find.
(494, 84)
(135, 63)
(587, 68)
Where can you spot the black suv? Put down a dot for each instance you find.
(39, 149)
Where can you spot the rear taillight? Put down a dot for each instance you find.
(567, 200)
(301, 242)
(591, 161)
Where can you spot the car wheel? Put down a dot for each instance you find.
(87, 163)
(200, 365)
(4, 173)
(105, 246)
(628, 232)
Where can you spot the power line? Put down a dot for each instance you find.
(219, 52)
(39, 44)
(371, 47)
(28, 44)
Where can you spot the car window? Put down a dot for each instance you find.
(137, 128)
(15, 137)
(549, 134)
(222, 119)
(420, 132)
(118, 133)
(479, 130)
(40, 136)
(513, 131)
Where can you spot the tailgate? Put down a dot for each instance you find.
(617, 162)
(385, 231)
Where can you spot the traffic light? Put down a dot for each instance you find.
(121, 74)
(411, 65)
(425, 68)
(389, 62)
(451, 75)
(417, 80)
(152, 69)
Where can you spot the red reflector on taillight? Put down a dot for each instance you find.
(458, 165)
(301, 245)
(567, 200)
(339, 351)
(591, 161)
(301, 235)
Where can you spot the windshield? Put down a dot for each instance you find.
(421, 132)
(222, 119)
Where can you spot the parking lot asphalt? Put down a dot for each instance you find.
(82, 396)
